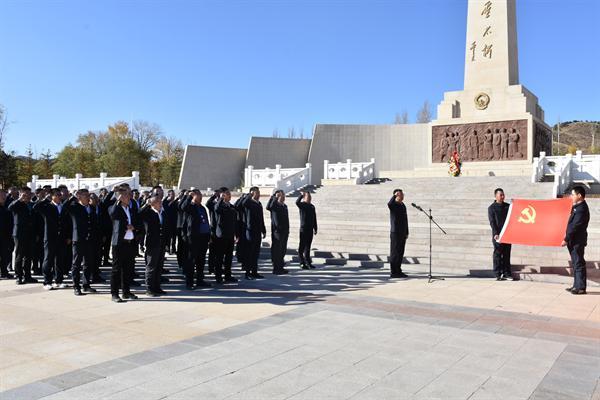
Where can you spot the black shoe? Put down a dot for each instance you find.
(202, 283)
(500, 278)
(164, 279)
(151, 294)
(508, 277)
(117, 299)
(19, 281)
(77, 292)
(304, 266)
(249, 276)
(311, 266)
(395, 276)
(89, 289)
(130, 296)
(256, 275)
(30, 280)
(230, 279)
(160, 291)
(402, 275)
(6, 276)
(569, 289)
(280, 271)
(219, 280)
(578, 291)
(190, 287)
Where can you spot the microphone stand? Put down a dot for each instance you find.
(431, 220)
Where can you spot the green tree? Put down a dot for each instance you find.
(168, 156)
(8, 170)
(25, 167)
(43, 166)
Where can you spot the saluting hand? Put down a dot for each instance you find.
(563, 244)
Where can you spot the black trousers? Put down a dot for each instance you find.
(55, 261)
(172, 241)
(37, 258)
(123, 266)
(23, 253)
(241, 251)
(83, 259)
(106, 239)
(578, 261)
(397, 245)
(278, 249)
(182, 250)
(306, 238)
(196, 258)
(212, 254)
(253, 251)
(224, 256)
(5, 256)
(502, 259)
(155, 259)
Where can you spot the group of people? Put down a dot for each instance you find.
(575, 238)
(53, 232)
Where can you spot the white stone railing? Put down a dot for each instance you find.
(566, 170)
(92, 184)
(360, 172)
(286, 179)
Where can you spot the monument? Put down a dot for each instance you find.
(494, 120)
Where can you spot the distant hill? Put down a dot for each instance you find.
(578, 135)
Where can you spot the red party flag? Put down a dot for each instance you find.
(536, 222)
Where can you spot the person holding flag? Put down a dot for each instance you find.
(497, 214)
(576, 239)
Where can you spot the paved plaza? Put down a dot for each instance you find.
(336, 332)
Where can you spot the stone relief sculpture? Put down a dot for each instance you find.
(491, 141)
(542, 140)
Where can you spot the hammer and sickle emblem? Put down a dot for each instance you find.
(527, 215)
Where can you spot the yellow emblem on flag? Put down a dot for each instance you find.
(527, 215)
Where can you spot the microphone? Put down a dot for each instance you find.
(416, 206)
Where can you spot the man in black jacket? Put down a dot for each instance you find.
(197, 235)
(23, 235)
(182, 250)
(255, 231)
(6, 228)
(212, 251)
(280, 231)
(156, 226)
(85, 238)
(170, 207)
(124, 247)
(105, 225)
(56, 239)
(398, 233)
(225, 235)
(576, 239)
(308, 227)
(242, 245)
(497, 213)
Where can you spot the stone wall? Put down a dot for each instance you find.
(266, 152)
(394, 147)
(213, 167)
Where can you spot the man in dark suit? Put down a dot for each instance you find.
(242, 246)
(280, 231)
(156, 226)
(255, 231)
(212, 252)
(6, 228)
(124, 247)
(55, 238)
(23, 235)
(497, 213)
(398, 233)
(308, 228)
(84, 239)
(225, 235)
(576, 239)
(98, 247)
(182, 250)
(197, 236)
(105, 225)
(170, 207)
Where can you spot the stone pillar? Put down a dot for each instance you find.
(34, 179)
(349, 168)
(277, 172)
(55, 180)
(103, 176)
(248, 178)
(78, 181)
(309, 173)
(136, 179)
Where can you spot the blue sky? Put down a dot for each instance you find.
(216, 72)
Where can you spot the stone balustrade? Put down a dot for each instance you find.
(355, 173)
(566, 170)
(92, 184)
(286, 179)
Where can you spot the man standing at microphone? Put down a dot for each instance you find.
(398, 233)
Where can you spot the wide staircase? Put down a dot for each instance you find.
(354, 227)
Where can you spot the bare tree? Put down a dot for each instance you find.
(146, 134)
(424, 114)
(401, 119)
(3, 125)
(291, 133)
(275, 133)
(301, 133)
